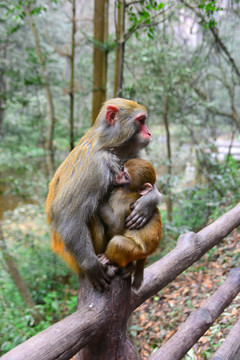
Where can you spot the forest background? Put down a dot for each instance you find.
(59, 61)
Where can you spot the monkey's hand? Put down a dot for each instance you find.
(97, 275)
(143, 209)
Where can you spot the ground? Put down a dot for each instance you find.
(155, 321)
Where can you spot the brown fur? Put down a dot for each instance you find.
(126, 245)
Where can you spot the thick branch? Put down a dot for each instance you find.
(190, 247)
(113, 342)
(71, 94)
(99, 56)
(200, 320)
(231, 346)
(119, 62)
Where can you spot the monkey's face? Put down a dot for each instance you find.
(123, 178)
(140, 172)
(121, 123)
(143, 133)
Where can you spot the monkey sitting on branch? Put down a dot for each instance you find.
(125, 246)
(83, 179)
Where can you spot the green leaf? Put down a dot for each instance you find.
(160, 6)
(150, 35)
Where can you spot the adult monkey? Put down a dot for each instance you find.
(83, 179)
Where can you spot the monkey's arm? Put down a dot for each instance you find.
(78, 242)
(111, 217)
(74, 206)
(143, 208)
(107, 214)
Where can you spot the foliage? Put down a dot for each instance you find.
(143, 15)
(194, 206)
(51, 284)
(210, 7)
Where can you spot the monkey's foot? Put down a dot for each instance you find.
(111, 270)
(127, 270)
(137, 282)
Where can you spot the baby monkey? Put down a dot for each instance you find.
(125, 246)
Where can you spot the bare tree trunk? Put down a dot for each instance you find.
(50, 130)
(17, 278)
(120, 36)
(113, 342)
(169, 158)
(71, 120)
(99, 56)
(2, 88)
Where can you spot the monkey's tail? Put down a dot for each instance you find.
(57, 245)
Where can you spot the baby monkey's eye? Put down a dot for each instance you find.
(122, 168)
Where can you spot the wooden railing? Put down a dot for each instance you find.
(97, 330)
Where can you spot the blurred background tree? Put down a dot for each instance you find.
(59, 60)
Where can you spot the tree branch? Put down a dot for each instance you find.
(200, 320)
(231, 346)
(216, 37)
(99, 312)
(190, 248)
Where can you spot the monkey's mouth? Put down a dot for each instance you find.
(148, 135)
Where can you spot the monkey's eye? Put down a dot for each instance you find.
(142, 119)
(122, 168)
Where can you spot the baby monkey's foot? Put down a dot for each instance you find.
(127, 271)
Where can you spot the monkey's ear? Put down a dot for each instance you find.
(111, 114)
(145, 189)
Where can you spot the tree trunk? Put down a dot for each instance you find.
(99, 56)
(71, 120)
(2, 88)
(17, 278)
(49, 139)
(120, 33)
(169, 158)
(113, 343)
(200, 320)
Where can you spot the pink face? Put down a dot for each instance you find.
(122, 178)
(143, 129)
